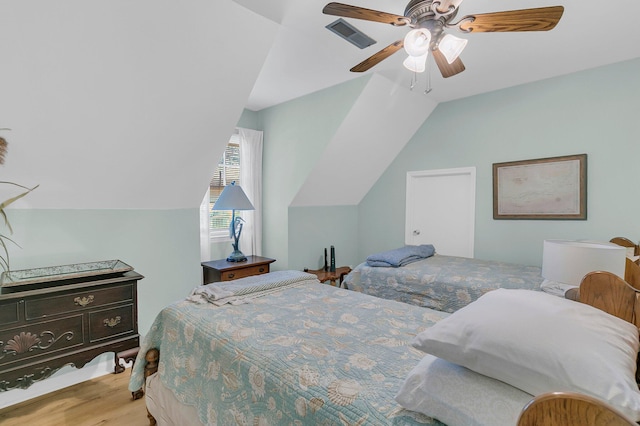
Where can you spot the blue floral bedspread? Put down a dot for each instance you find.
(444, 283)
(311, 354)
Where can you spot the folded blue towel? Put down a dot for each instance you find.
(401, 256)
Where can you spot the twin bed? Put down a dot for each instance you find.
(283, 349)
(444, 283)
(448, 283)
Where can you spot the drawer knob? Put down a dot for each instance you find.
(261, 270)
(83, 301)
(231, 275)
(111, 322)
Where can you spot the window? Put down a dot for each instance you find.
(240, 162)
(228, 171)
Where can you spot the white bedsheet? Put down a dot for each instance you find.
(164, 406)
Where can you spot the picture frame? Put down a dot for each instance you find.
(543, 188)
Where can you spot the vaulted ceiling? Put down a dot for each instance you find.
(306, 57)
(127, 104)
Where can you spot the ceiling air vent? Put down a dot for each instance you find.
(350, 33)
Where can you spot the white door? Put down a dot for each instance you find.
(441, 206)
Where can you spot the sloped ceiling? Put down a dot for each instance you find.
(380, 123)
(128, 104)
(306, 57)
(123, 104)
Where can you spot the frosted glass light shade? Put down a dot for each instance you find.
(415, 63)
(451, 47)
(567, 262)
(417, 42)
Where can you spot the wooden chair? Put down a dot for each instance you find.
(570, 409)
(631, 269)
(632, 273)
(625, 242)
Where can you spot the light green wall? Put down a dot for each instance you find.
(249, 120)
(312, 229)
(162, 245)
(295, 135)
(593, 112)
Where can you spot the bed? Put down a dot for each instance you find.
(281, 348)
(444, 283)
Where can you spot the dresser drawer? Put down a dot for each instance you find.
(72, 302)
(42, 338)
(8, 313)
(244, 272)
(111, 322)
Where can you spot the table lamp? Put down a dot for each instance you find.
(565, 262)
(233, 198)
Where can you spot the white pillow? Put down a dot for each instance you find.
(458, 396)
(542, 343)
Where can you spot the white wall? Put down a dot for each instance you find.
(121, 104)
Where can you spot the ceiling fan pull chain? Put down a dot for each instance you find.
(429, 88)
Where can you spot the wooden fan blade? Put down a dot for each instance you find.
(376, 58)
(447, 69)
(348, 11)
(539, 19)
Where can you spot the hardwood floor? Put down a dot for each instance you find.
(101, 401)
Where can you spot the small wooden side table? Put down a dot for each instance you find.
(337, 275)
(221, 270)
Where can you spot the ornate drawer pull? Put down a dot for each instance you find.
(112, 322)
(84, 301)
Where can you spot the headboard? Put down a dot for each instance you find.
(613, 295)
(610, 293)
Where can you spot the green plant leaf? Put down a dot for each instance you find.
(17, 197)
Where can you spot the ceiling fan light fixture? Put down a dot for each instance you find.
(417, 42)
(416, 63)
(451, 47)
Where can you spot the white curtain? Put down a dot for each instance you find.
(205, 239)
(251, 182)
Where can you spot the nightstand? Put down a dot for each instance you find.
(221, 270)
(337, 275)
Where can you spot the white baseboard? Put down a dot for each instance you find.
(66, 376)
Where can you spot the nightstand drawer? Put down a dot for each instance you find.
(72, 302)
(110, 323)
(244, 272)
(223, 270)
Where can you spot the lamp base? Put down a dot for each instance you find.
(236, 256)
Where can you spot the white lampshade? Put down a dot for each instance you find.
(417, 42)
(451, 47)
(233, 198)
(416, 63)
(567, 262)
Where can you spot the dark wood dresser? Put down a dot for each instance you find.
(66, 315)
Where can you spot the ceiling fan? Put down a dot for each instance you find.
(429, 19)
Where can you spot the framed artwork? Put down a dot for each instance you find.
(544, 188)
